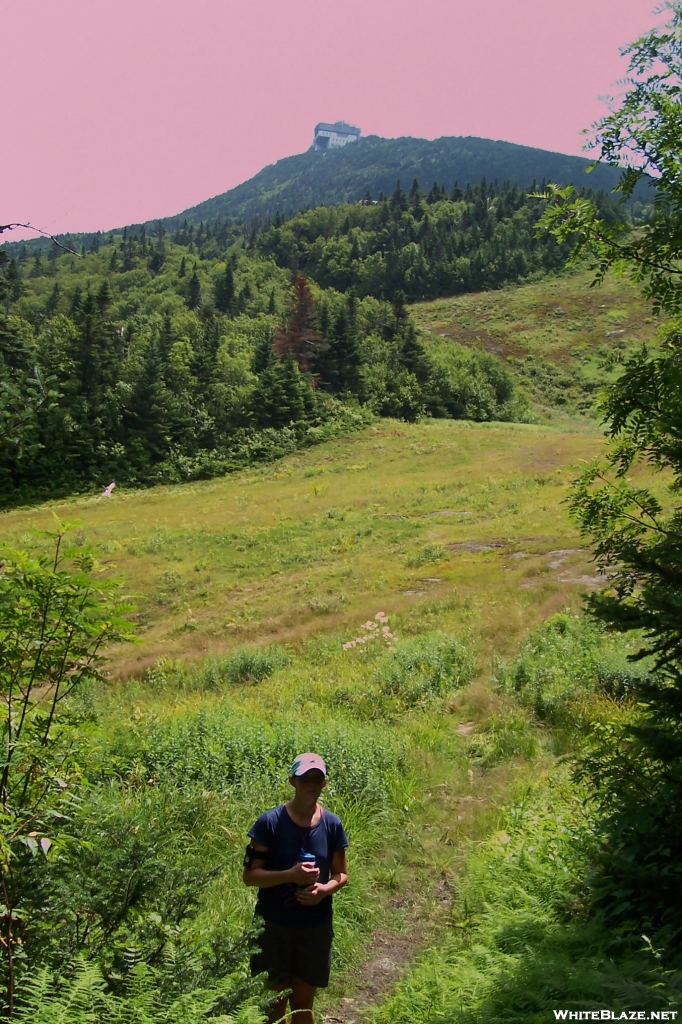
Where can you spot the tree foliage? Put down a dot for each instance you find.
(635, 765)
(107, 374)
(57, 615)
(420, 245)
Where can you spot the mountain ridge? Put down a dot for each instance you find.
(374, 164)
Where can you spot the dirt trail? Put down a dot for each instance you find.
(389, 955)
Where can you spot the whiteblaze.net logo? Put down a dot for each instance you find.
(615, 1014)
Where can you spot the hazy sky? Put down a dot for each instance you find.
(126, 111)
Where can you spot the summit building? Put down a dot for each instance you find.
(333, 136)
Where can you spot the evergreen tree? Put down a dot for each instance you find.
(282, 396)
(298, 338)
(633, 764)
(103, 297)
(263, 354)
(165, 338)
(183, 268)
(194, 290)
(340, 363)
(413, 356)
(224, 291)
(146, 416)
(76, 300)
(53, 300)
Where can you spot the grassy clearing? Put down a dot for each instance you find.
(194, 754)
(440, 525)
(251, 590)
(523, 940)
(561, 339)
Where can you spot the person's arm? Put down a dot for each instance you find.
(338, 876)
(257, 874)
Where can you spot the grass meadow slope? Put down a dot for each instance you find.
(561, 339)
(406, 601)
(443, 515)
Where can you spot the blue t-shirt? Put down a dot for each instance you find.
(285, 840)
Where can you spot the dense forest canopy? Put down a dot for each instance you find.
(421, 245)
(178, 355)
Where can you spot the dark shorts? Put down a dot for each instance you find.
(305, 953)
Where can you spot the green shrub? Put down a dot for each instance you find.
(242, 665)
(563, 664)
(425, 668)
(146, 995)
(245, 665)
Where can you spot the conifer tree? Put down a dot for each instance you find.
(297, 337)
(194, 290)
(53, 299)
(413, 356)
(146, 412)
(166, 338)
(224, 291)
(263, 354)
(282, 396)
(340, 363)
(76, 300)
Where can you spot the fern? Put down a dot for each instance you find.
(84, 998)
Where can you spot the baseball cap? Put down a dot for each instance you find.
(306, 762)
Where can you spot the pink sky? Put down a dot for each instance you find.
(121, 112)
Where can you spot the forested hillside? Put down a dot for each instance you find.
(183, 355)
(374, 164)
(422, 246)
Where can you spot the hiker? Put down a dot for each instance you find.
(297, 858)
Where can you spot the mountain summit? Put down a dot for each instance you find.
(373, 164)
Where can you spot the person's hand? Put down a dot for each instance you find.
(312, 895)
(304, 874)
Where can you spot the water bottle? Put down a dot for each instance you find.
(305, 858)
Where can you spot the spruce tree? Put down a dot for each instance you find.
(146, 413)
(413, 356)
(224, 291)
(297, 337)
(194, 290)
(76, 300)
(53, 300)
(263, 354)
(341, 361)
(165, 338)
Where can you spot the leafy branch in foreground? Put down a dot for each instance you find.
(634, 763)
(58, 613)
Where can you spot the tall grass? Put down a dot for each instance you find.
(566, 668)
(519, 947)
